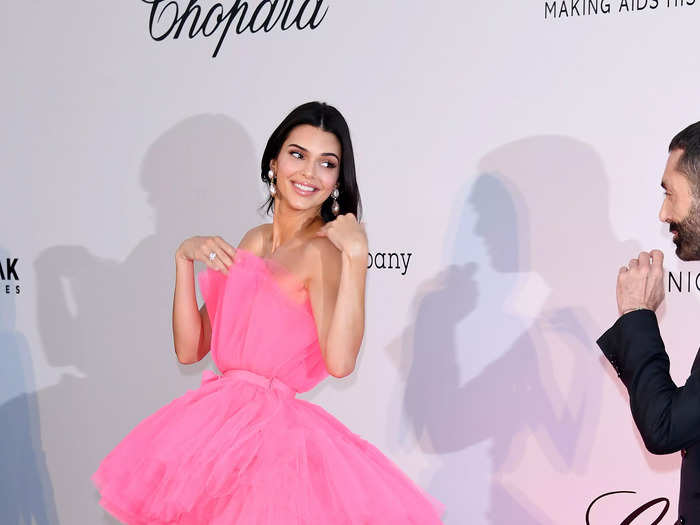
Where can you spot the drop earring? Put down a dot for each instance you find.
(335, 208)
(271, 187)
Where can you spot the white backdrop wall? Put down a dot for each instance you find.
(516, 157)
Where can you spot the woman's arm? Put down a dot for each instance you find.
(192, 327)
(337, 290)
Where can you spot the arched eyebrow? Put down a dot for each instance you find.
(302, 148)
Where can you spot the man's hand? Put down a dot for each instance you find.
(640, 284)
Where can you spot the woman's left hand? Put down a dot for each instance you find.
(346, 234)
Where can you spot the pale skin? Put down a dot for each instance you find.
(330, 259)
(640, 284)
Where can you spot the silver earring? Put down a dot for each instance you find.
(271, 187)
(335, 208)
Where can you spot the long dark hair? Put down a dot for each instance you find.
(327, 118)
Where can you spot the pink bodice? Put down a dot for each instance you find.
(262, 322)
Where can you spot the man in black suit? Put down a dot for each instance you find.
(667, 416)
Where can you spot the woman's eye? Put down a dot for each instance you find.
(297, 155)
(328, 164)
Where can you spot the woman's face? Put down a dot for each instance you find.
(307, 167)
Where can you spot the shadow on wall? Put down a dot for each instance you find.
(26, 494)
(503, 347)
(112, 319)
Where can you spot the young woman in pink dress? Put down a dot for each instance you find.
(282, 311)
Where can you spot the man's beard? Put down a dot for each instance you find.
(688, 239)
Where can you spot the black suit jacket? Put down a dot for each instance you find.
(667, 416)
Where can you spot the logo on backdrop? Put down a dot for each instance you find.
(573, 8)
(9, 277)
(173, 18)
(396, 261)
(683, 282)
(632, 517)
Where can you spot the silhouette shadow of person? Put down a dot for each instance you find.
(503, 360)
(112, 319)
(26, 493)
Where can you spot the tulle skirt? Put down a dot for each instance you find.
(242, 450)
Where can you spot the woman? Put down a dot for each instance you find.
(282, 311)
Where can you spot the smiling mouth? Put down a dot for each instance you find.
(303, 188)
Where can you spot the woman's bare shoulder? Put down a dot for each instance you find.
(323, 258)
(253, 240)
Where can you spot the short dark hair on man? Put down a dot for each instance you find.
(688, 140)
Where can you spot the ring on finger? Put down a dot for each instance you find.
(212, 256)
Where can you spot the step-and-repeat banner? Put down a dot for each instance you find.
(509, 157)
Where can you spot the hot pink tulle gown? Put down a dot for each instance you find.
(241, 449)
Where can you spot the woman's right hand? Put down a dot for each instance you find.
(200, 248)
